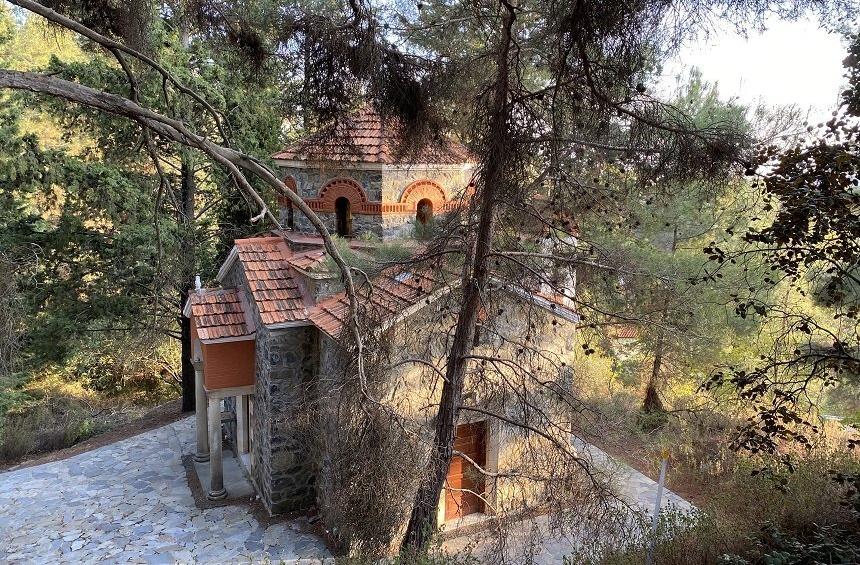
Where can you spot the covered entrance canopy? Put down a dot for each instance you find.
(223, 338)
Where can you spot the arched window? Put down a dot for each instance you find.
(424, 211)
(343, 213)
(291, 184)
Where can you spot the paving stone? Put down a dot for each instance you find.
(130, 502)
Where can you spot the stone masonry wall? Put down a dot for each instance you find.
(380, 186)
(395, 181)
(286, 363)
(309, 181)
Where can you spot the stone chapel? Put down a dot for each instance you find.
(264, 330)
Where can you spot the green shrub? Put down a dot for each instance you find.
(651, 421)
(803, 516)
(825, 545)
(105, 382)
(425, 231)
(123, 367)
(47, 425)
(793, 502)
(434, 556)
(682, 539)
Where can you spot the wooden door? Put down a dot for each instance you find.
(464, 482)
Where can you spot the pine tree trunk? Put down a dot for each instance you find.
(422, 521)
(187, 269)
(652, 401)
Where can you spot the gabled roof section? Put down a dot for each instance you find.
(555, 303)
(220, 315)
(276, 292)
(365, 137)
(393, 294)
(308, 260)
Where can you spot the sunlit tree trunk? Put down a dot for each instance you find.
(652, 402)
(422, 521)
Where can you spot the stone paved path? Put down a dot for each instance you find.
(130, 501)
(638, 489)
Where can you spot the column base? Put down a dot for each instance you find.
(217, 494)
(201, 457)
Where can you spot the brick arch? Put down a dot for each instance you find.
(335, 188)
(422, 189)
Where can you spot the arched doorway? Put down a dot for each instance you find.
(424, 211)
(343, 213)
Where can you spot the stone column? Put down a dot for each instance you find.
(242, 423)
(201, 421)
(216, 469)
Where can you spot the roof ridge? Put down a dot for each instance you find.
(255, 239)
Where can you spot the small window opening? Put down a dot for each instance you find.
(343, 212)
(424, 212)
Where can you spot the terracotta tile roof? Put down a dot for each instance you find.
(307, 260)
(365, 137)
(558, 304)
(623, 331)
(219, 314)
(274, 289)
(391, 294)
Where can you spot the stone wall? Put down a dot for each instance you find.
(395, 180)
(309, 181)
(286, 364)
(385, 185)
(320, 285)
(388, 226)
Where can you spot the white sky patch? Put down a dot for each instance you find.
(789, 63)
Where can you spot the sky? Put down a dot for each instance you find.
(790, 63)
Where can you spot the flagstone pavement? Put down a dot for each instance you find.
(130, 502)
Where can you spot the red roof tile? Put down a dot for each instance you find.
(623, 331)
(308, 259)
(365, 137)
(220, 314)
(390, 294)
(275, 287)
(276, 292)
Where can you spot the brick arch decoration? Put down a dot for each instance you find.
(335, 188)
(351, 189)
(421, 189)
